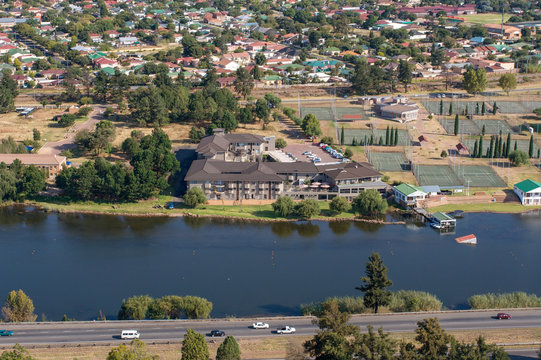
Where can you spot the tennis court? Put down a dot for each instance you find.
(458, 107)
(479, 176)
(326, 113)
(465, 126)
(493, 127)
(441, 175)
(517, 107)
(363, 135)
(389, 161)
(523, 145)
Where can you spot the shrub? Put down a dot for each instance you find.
(307, 208)
(411, 300)
(66, 120)
(326, 140)
(518, 158)
(507, 300)
(195, 197)
(369, 203)
(339, 205)
(284, 206)
(280, 143)
(84, 111)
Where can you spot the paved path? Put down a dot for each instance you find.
(56, 147)
(174, 330)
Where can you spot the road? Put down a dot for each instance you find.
(56, 147)
(174, 330)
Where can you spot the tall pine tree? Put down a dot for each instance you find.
(387, 136)
(457, 125)
(530, 147)
(395, 137)
(480, 150)
(474, 154)
(508, 145)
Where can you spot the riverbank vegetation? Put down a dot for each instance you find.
(400, 301)
(19, 181)
(167, 307)
(507, 300)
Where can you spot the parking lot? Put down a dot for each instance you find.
(297, 151)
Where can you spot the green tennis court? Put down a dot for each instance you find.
(480, 176)
(326, 113)
(523, 145)
(465, 126)
(389, 161)
(441, 175)
(493, 127)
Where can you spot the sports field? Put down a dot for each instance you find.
(489, 18)
(442, 175)
(465, 126)
(363, 135)
(389, 161)
(326, 113)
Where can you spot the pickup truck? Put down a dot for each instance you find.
(285, 330)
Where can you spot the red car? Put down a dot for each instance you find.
(501, 316)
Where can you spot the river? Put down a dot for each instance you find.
(80, 264)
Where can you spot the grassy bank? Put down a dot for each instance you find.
(273, 346)
(516, 299)
(156, 207)
(485, 207)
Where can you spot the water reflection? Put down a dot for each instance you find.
(12, 215)
(368, 226)
(283, 229)
(195, 222)
(308, 229)
(339, 227)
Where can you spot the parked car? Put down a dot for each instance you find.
(503, 316)
(217, 333)
(260, 325)
(285, 330)
(6, 333)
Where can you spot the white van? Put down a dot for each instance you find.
(129, 334)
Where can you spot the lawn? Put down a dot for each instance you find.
(492, 18)
(490, 207)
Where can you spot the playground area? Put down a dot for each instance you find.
(389, 161)
(457, 176)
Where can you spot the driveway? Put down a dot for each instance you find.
(56, 147)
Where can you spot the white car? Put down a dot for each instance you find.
(285, 330)
(260, 325)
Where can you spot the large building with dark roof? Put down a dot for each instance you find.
(234, 147)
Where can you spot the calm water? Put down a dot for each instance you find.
(80, 264)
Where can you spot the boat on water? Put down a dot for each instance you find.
(468, 239)
(457, 214)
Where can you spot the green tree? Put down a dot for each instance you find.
(262, 110)
(387, 136)
(475, 149)
(375, 283)
(280, 143)
(310, 125)
(474, 81)
(443, 154)
(8, 92)
(342, 136)
(335, 338)
(260, 59)
(148, 107)
(433, 339)
(369, 203)
(244, 83)
(135, 351)
(18, 353)
(339, 205)
(194, 346)
(441, 107)
(374, 345)
(483, 109)
(395, 139)
(483, 131)
(507, 145)
(530, 147)
(18, 307)
(33, 180)
(305, 209)
(8, 185)
(228, 349)
(518, 158)
(480, 150)
(457, 125)
(284, 206)
(135, 308)
(36, 134)
(66, 120)
(494, 108)
(194, 197)
(507, 82)
(405, 75)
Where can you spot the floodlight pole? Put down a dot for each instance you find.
(468, 187)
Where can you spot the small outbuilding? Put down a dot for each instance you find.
(408, 195)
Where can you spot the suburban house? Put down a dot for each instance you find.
(52, 164)
(529, 192)
(234, 147)
(507, 32)
(408, 195)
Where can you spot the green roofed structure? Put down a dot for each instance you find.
(408, 195)
(529, 192)
(443, 220)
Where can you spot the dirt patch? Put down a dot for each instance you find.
(20, 128)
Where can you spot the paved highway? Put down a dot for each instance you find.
(109, 331)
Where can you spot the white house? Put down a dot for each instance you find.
(408, 195)
(529, 192)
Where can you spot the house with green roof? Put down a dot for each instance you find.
(529, 192)
(331, 50)
(408, 195)
(443, 220)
